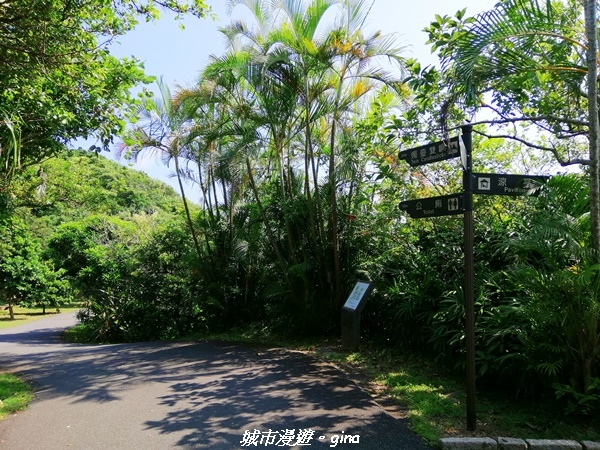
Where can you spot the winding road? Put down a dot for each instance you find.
(196, 395)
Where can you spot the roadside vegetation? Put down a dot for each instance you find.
(23, 315)
(292, 137)
(434, 399)
(15, 394)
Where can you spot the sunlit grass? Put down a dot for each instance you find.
(15, 394)
(25, 315)
(434, 401)
(431, 407)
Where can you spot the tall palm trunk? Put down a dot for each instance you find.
(591, 30)
(269, 231)
(337, 271)
(187, 210)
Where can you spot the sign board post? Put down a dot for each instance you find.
(351, 314)
(469, 285)
(462, 203)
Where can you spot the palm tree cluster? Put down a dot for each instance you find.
(267, 134)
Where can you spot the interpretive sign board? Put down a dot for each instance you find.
(498, 184)
(357, 298)
(433, 152)
(445, 205)
(351, 314)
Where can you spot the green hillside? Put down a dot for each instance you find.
(78, 184)
(78, 225)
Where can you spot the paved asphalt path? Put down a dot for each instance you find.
(196, 395)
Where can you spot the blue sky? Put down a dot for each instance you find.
(179, 55)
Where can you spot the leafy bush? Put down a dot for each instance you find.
(26, 278)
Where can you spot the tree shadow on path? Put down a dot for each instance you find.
(201, 395)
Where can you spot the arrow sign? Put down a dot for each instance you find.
(497, 184)
(446, 205)
(430, 153)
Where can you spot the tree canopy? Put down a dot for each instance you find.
(58, 80)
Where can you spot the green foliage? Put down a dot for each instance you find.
(300, 186)
(135, 287)
(556, 270)
(15, 394)
(26, 278)
(79, 183)
(101, 225)
(580, 403)
(536, 294)
(58, 80)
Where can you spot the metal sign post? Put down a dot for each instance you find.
(462, 203)
(469, 287)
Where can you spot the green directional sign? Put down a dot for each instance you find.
(445, 205)
(433, 152)
(497, 184)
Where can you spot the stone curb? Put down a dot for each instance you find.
(506, 443)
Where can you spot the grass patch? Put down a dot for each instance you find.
(434, 400)
(25, 315)
(15, 394)
(430, 404)
(80, 334)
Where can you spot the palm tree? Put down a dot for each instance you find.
(538, 62)
(10, 150)
(330, 66)
(165, 130)
(558, 271)
(591, 33)
(230, 86)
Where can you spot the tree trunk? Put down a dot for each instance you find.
(270, 234)
(591, 30)
(187, 210)
(11, 311)
(337, 272)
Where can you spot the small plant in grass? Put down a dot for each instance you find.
(15, 394)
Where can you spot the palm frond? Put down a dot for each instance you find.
(513, 38)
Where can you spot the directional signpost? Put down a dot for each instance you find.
(496, 184)
(430, 153)
(446, 205)
(462, 203)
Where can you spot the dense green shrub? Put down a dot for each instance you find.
(25, 277)
(537, 302)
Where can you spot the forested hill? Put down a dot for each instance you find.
(78, 184)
